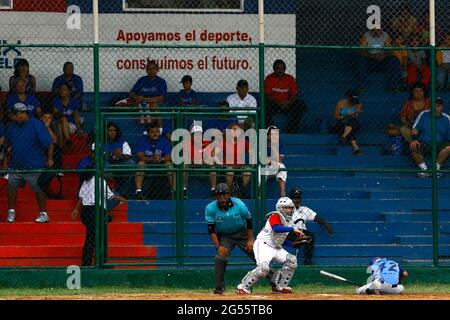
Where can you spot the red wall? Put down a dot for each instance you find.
(42, 5)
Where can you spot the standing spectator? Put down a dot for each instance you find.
(153, 149)
(32, 149)
(22, 72)
(118, 153)
(418, 69)
(72, 80)
(443, 63)
(377, 60)
(187, 96)
(421, 144)
(302, 215)
(86, 205)
(411, 109)
(346, 115)
(150, 91)
(229, 225)
(281, 94)
(405, 24)
(243, 100)
(275, 163)
(67, 110)
(21, 96)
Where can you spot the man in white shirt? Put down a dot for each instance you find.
(243, 100)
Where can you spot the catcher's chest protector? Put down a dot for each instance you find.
(271, 237)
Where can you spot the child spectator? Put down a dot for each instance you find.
(395, 143)
(187, 96)
(418, 69)
(22, 72)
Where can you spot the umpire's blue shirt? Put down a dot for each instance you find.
(227, 221)
(29, 142)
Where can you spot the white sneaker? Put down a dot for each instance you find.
(439, 175)
(11, 216)
(423, 175)
(43, 217)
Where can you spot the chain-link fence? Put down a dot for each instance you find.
(344, 82)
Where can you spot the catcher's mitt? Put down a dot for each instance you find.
(297, 240)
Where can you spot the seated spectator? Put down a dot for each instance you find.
(405, 23)
(187, 96)
(401, 55)
(346, 116)
(411, 109)
(118, 153)
(22, 97)
(394, 145)
(153, 149)
(421, 144)
(245, 101)
(196, 157)
(418, 66)
(281, 94)
(22, 72)
(377, 60)
(67, 110)
(443, 63)
(32, 148)
(149, 92)
(86, 208)
(275, 162)
(239, 161)
(74, 82)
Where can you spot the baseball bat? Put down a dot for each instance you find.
(336, 277)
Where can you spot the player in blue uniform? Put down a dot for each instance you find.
(386, 277)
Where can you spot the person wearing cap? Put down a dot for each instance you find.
(20, 96)
(229, 225)
(281, 96)
(376, 59)
(196, 158)
(346, 114)
(302, 215)
(412, 108)
(32, 149)
(243, 100)
(421, 133)
(153, 150)
(275, 162)
(187, 96)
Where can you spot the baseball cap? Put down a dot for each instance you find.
(186, 78)
(439, 100)
(295, 192)
(222, 188)
(242, 83)
(196, 129)
(19, 106)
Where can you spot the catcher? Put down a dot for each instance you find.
(268, 248)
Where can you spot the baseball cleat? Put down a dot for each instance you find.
(242, 290)
(373, 291)
(218, 290)
(277, 289)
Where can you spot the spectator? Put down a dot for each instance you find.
(86, 205)
(443, 63)
(22, 72)
(377, 60)
(421, 144)
(424, 30)
(302, 215)
(243, 100)
(153, 149)
(32, 149)
(187, 96)
(395, 143)
(418, 69)
(275, 163)
(411, 109)
(21, 96)
(196, 155)
(72, 80)
(346, 115)
(150, 91)
(67, 110)
(281, 94)
(405, 24)
(118, 153)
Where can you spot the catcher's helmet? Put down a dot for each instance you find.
(286, 207)
(222, 188)
(295, 192)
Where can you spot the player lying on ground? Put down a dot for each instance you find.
(268, 248)
(385, 279)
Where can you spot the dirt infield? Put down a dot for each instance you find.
(230, 296)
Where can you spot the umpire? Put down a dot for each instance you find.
(229, 225)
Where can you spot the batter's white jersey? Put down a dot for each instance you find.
(270, 237)
(301, 216)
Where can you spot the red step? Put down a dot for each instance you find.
(65, 227)
(26, 239)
